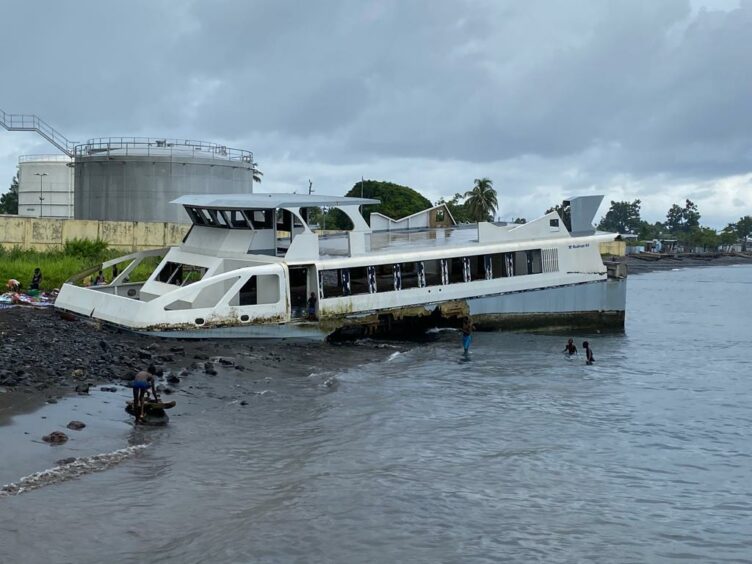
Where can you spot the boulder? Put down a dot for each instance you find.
(76, 425)
(64, 461)
(55, 438)
(82, 389)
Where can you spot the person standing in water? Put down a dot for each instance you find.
(141, 382)
(467, 334)
(589, 358)
(570, 349)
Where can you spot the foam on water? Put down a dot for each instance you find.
(76, 469)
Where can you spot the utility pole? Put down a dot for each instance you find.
(41, 175)
(310, 187)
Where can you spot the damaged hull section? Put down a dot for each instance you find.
(594, 305)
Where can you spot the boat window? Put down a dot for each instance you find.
(284, 220)
(432, 269)
(410, 277)
(456, 270)
(195, 215)
(335, 283)
(259, 290)
(534, 262)
(496, 265)
(218, 218)
(384, 277)
(261, 219)
(235, 219)
(206, 217)
(359, 280)
(477, 267)
(180, 274)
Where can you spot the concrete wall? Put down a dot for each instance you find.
(55, 188)
(47, 234)
(614, 248)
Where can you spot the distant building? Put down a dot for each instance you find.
(45, 186)
(437, 216)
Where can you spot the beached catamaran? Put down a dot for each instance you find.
(249, 263)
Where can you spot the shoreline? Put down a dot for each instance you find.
(637, 265)
(48, 358)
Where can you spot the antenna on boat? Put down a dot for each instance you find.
(310, 187)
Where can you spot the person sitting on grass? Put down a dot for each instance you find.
(141, 382)
(13, 285)
(100, 281)
(36, 280)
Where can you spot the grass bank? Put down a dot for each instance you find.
(59, 265)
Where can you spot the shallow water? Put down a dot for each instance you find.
(517, 454)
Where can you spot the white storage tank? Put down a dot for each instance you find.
(136, 178)
(45, 186)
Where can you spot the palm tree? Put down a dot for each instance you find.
(481, 200)
(257, 174)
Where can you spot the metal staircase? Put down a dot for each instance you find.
(32, 122)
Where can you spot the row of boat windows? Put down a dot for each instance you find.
(245, 219)
(439, 272)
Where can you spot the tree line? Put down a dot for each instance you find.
(682, 223)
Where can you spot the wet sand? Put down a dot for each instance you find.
(46, 357)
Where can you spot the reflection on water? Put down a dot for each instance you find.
(518, 454)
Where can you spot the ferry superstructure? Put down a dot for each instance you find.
(249, 264)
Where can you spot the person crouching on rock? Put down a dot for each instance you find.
(141, 382)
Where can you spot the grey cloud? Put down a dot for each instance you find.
(610, 89)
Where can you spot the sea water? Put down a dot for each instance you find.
(515, 454)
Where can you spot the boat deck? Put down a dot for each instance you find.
(385, 242)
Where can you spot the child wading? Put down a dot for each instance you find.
(589, 358)
(467, 334)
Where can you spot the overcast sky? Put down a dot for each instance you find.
(632, 99)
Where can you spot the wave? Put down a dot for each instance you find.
(77, 468)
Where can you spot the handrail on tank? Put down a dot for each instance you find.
(140, 146)
(44, 158)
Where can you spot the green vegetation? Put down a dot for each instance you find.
(59, 265)
(396, 202)
(481, 201)
(682, 223)
(9, 200)
(458, 208)
(622, 217)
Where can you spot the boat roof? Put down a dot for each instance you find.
(268, 201)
